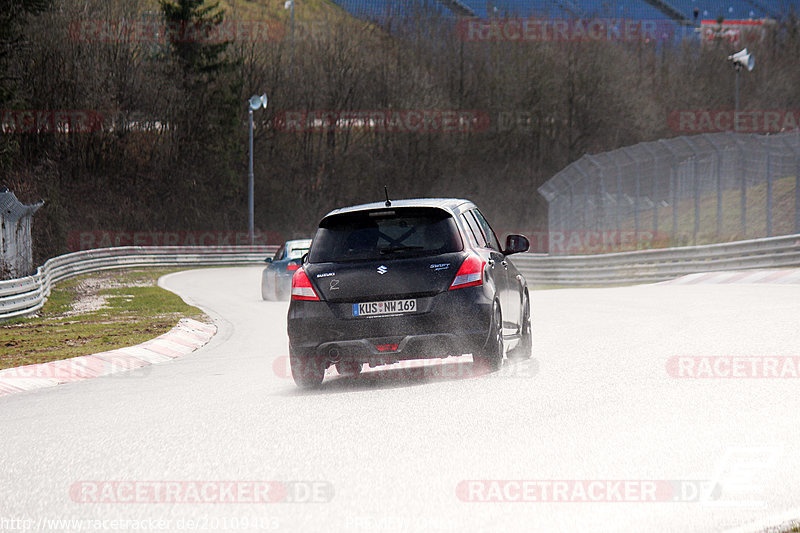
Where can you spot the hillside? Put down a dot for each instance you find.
(171, 152)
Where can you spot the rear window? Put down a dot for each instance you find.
(385, 234)
(297, 251)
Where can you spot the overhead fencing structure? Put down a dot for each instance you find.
(684, 190)
(25, 296)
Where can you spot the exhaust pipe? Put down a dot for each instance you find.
(333, 354)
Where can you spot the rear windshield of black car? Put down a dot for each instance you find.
(385, 234)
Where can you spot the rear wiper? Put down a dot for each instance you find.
(399, 249)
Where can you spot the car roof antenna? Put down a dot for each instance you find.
(386, 191)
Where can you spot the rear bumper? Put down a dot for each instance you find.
(451, 323)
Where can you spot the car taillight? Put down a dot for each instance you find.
(291, 268)
(301, 287)
(387, 347)
(470, 274)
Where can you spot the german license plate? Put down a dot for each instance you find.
(390, 307)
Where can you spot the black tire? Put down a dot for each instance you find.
(265, 293)
(307, 372)
(349, 368)
(524, 349)
(283, 294)
(491, 357)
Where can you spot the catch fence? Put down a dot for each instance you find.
(686, 190)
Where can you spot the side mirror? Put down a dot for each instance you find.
(268, 260)
(516, 244)
(304, 259)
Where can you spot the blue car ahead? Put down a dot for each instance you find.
(276, 280)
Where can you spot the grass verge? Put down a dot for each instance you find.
(94, 313)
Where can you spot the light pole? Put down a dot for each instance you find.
(290, 5)
(739, 60)
(256, 102)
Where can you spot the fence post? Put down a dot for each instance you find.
(743, 184)
(696, 188)
(786, 140)
(696, 199)
(718, 176)
(636, 201)
(571, 205)
(796, 185)
(619, 197)
(653, 185)
(602, 203)
(585, 211)
(769, 191)
(673, 183)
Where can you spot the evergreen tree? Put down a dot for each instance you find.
(204, 109)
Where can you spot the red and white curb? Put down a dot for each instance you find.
(781, 276)
(186, 337)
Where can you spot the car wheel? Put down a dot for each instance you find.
(266, 293)
(348, 368)
(282, 294)
(307, 372)
(491, 357)
(525, 347)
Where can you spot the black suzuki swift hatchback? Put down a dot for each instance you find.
(408, 279)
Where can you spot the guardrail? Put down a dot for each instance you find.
(25, 296)
(647, 266)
